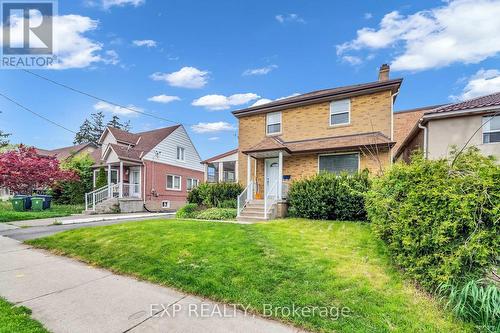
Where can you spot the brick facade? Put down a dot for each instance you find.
(156, 177)
(369, 113)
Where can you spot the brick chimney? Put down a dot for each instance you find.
(383, 73)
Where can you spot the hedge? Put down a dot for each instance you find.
(440, 220)
(329, 196)
(193, 211)
(222, 195)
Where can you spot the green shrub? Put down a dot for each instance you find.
(476, 301)
(329, 196)
(73, 192)
(231, 203)
(214, 195)
(440, 220)
(189, 211)
(217, 214)
(101, 179)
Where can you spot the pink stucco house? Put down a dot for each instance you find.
(151, 170)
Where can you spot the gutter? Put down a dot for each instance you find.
(426, 142)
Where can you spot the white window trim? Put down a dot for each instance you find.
(168, 204)
(183, 154)
(173, 189)
(343, 153)
(96, 172)
(191, 179)
(332, 113)
(487, 129)
(280, 122)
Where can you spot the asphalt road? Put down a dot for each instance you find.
(22, 234)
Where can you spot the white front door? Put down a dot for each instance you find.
(135, 182)
(271, 177)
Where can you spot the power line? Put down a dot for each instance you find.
(35, 113)
(99, 98)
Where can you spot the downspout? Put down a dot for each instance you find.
(425, 138)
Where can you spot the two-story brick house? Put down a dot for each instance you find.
(341, 129)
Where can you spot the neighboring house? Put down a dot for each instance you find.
(333, 130)
(438, 130)
(222, 168)
(155, 169)
(63, 153)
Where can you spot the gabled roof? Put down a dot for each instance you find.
(491, 100)
(64, 152)
(218, 157)
(143, 142)
(328, 144)
(322, 95)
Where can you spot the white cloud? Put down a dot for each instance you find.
(263, 101)
(352, 60)
(289, 18)
(106, 107)
(106, 4)
(186, 77)
(163, 99)
(213, 138)
(212, 127)
(464, 31)
(260, 71)
(145, 42)
(221, 102)
(111, 58)
(484, 82)
(368, 16)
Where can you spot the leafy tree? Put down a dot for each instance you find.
(97, 120)
(91, 130)
(102, 179)
(115, 122)
(23, 170)
(73, 191)
(85, 134)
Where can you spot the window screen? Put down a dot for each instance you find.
(339, 163)
(339, 112)
(273, 124)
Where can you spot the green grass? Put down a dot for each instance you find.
(17, 319)
(7, 214)
(282, 263)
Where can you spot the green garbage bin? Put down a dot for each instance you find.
(37, 204)
(19, 204)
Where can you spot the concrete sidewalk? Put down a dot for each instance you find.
(82, 218)
(68, 296)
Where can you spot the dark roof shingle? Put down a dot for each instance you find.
(478, 102)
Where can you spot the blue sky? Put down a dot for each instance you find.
(210, 57)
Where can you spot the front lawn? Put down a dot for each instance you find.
(7, 214)
(285, 264)
(17, 319)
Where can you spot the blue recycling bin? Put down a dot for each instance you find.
(47, 199)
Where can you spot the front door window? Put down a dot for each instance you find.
(135, 183)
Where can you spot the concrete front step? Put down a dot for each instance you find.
(250, 219)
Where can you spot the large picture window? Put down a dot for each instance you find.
(174, 182)
(491, 129)
(273, 123)
(339, 163)
(340, 112)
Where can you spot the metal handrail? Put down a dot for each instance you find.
(245, 197)
(269, 195)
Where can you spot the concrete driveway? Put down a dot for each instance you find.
(68, 296)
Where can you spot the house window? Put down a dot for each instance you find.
(339, 163)
(191, 183)
(273, 123)
(174, 182)
(340, 112)
(491, 129)
(180, 153)
(114, 176)
(165, 204)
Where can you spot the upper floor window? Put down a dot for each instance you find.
(338, 163)
(491, 129)
(340, 112)
(273, 123)
(180, 153)
(174, 182)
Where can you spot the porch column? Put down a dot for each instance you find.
(206, 172)
(249, 169)
(121, 179)
(280, 175)
(221, 172)
(109, 181)
(236, 172)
